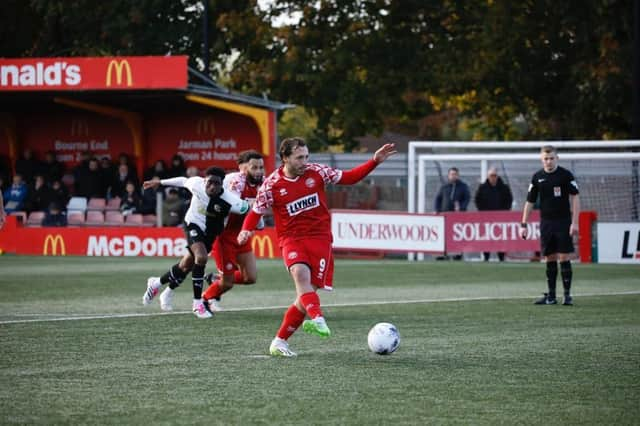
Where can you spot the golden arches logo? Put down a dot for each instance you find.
(264, 244)
(205, 126)
(119, 67)
(79, 127)
(51, 245)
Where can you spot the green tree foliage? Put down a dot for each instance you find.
(492, 69)
(499, 69)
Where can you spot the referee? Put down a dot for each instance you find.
(559, 210)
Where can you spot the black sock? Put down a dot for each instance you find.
(567, 274)
(197, 275)
(552, 275)
(174, 277)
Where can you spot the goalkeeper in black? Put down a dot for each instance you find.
(559, 210)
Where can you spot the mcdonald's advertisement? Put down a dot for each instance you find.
(99, 73)
(132, 241)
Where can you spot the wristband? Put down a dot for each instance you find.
(523, 225)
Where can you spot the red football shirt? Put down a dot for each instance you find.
(299, 205)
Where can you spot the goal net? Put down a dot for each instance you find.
(608, 177)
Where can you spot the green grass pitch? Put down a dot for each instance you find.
(77, 347)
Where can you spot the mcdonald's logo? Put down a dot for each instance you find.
(263, 242)
(51, 245)
(205, 126)
(79, 127)
(119, 67)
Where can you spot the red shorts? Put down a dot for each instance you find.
(226, 250)
(317, 254)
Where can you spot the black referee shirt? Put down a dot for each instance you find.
(554, 189)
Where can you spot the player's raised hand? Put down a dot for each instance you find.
(384, 152)
(153, 183)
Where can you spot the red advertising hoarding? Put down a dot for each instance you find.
(116, 241)
(490, 231)
(100, 73)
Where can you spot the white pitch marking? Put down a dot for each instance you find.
(328, 305)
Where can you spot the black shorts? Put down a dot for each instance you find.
(194, 235)
(555, 237)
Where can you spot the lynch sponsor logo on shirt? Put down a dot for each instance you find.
(303, 204)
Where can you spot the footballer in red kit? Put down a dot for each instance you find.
(236, 263)
(296, 194)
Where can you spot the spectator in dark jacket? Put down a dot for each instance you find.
(27, 166)
(39, 196)
(453, 195)
(92, 185)
(55, 216)
(493, 194)
(52, 169)
(131, 201)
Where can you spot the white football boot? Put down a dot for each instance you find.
(199, 309)
(153, 287)
(214, 305)
(280, 347)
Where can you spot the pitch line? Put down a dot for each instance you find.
(328, 305)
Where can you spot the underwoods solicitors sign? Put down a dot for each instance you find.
(387, 231)
(490, 231)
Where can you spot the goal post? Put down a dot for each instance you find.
(607, 172)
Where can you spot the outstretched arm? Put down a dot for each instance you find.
(249, 224)
(355, 175)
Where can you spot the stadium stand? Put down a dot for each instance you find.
(35, 219)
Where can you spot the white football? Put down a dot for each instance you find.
(384, 338)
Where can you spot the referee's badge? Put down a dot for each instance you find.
(557, 191)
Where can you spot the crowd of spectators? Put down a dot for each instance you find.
(47, 186)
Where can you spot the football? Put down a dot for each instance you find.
(384, 338)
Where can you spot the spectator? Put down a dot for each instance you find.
(159, 169)
(172, 208)
(15, 195)
(119, 182)
(81, 171)
(55, 216)
(177, 167)
(38, 196)
(59, 193)
(108, 171)
(92, 185)
(27, 166)
(149, 198)
(131, 200)
(453, 195)
(493, 194)
(126, 159)
(52, 169)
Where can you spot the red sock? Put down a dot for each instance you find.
(213, 291)
(311, 303)
(238, 278)
(291, 322)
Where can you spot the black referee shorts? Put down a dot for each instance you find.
(555, 237)
(194, 235)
